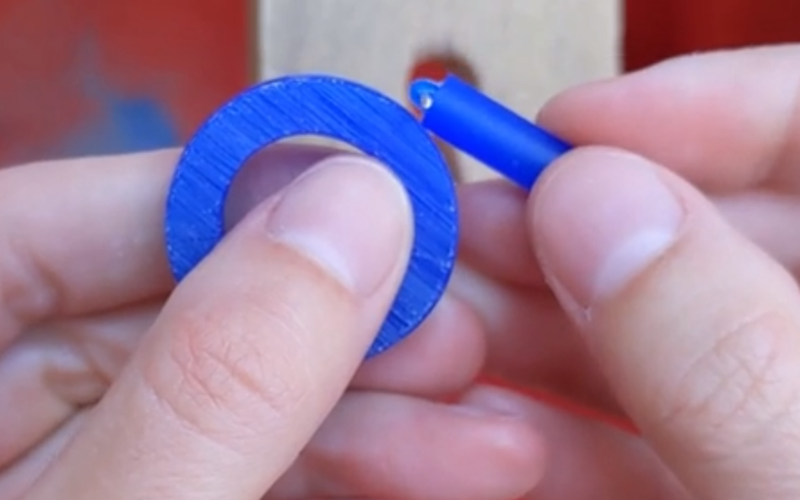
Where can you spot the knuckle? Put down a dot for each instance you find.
(246, 374)
(741, 386)
(80, 369)
(30, 288)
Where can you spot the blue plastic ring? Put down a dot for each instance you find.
(338, 109)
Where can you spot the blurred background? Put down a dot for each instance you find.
(97, 76)
(103, 76)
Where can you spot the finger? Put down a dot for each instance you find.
(492, 238)
(696, 328)
(17, 478)
(390, 446)
(769, 219)
(253, 349)
(269, 170)
(443, 357)
(492, 213)
(499, 455)
(85, 235)
(531, 342)
(54, 370)
(724, 120)
(585, 459)
(59, 367)
(81, 235)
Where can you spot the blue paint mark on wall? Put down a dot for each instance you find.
(125, 123)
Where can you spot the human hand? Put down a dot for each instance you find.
(115, 386)
(673, 251)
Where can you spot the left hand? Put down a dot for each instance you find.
(83, 275)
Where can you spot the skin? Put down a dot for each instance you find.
(650, 276)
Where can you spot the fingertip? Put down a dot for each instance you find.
(269, 171)
(634, 111)
(710, 117)
(438, 451)
(597, 219)
(519, 459)
(315, 215)
(565, 114)
(524, 445)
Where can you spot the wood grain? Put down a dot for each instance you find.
(522, 51)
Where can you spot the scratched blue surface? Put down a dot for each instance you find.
(329, 107)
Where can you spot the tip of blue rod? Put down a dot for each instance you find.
(421, 93)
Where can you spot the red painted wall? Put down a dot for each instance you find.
(97, 76)
(85, 76)
(659, 29)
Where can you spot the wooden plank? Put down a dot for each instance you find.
(522, 51)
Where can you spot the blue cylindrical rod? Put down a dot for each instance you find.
(471, 122)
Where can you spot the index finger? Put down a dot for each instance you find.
(81, 235)
(85, 235)
(723, 120)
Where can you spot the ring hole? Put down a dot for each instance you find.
(274, 167)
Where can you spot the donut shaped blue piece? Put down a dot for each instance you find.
(338, 109)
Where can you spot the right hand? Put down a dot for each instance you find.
(652, 275)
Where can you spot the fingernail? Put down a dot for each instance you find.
(492, 401)
(348, 214)
(601, 220)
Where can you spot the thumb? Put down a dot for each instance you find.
(253, 349)
(697, 329)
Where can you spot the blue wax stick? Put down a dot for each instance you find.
(482, 128)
